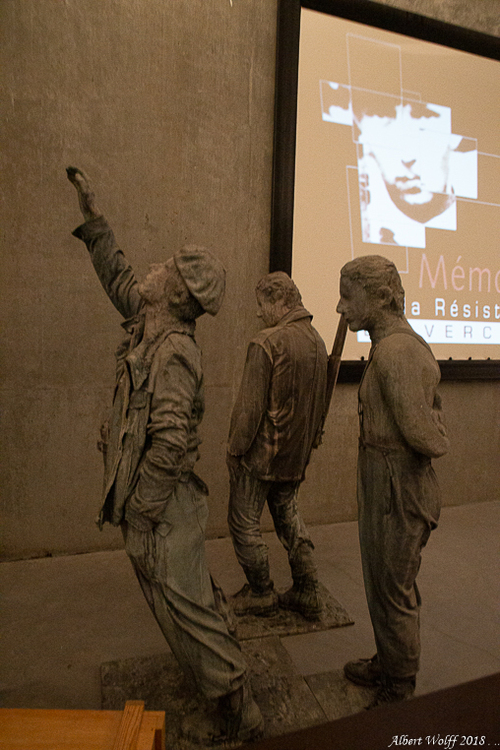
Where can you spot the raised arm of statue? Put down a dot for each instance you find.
(115, 274)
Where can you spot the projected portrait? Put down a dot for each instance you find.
(397, 153)
(411, 166)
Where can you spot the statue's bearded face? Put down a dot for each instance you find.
(270, 312)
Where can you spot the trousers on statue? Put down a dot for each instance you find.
(398, 504)
(171, 567)
(248, 496)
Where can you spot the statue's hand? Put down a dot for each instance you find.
(79, 179)
(86, 196)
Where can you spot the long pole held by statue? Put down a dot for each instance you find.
(332, 374)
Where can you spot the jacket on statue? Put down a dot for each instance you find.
(158, 402)
(281, 400)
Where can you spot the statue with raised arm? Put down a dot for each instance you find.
(150, 487)
(401, 430)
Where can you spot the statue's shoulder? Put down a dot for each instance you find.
(180, 345)
(402, 349)
(264, 336)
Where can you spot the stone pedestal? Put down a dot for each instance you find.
(287, 700)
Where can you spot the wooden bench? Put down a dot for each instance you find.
(54, 729)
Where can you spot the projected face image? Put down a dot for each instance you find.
(414, 161)
(397, 155)
(411, 166)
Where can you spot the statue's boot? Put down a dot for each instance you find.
(364, 672)
(258, 596)
(305, 595)
(393, 690)
(236, 719)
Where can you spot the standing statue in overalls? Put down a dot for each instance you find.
(401, 430)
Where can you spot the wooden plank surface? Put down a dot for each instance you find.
(130, 724)
(54, 729)
(152, 735)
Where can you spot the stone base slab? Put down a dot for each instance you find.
(287, 700)
(285, 622)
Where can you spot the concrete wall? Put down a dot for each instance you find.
(169, 107)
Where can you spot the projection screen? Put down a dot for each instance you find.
(397, 153)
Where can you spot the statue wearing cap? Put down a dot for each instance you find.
(151, 447)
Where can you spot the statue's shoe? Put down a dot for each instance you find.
(250, 602)
(237, 719)
(306, 600)
(393, 690)
(364, 672)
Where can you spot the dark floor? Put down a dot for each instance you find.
(61, 618)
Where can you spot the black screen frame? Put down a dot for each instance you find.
(287, 67)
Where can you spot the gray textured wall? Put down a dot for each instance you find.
(169, 107)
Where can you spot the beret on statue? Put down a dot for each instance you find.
(204, 276)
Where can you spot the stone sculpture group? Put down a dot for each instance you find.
(150, 447)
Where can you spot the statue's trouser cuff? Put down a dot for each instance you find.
(180, 595)
(248, 495)
(398, 504)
